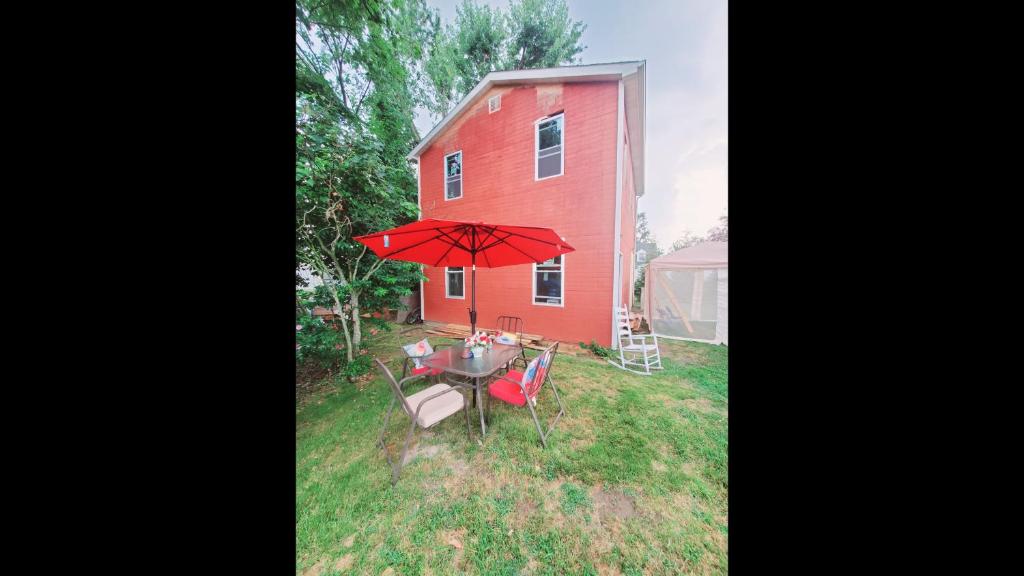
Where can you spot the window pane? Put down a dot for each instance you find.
(453, 165)
(454, 189)
(549, 287)
(550, 133)
(455, 282)
(549, 166)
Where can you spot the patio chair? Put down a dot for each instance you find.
(637, 354)
(424, 408)
(513, 325)
(411, 365)
(521, 388)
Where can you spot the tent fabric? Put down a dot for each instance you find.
(686, 293)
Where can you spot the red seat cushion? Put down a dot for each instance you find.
(425, 369)
(507, 391)
(515, 375)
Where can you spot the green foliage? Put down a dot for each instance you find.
(597, 349)
(542, 34)
(357, 65)
(532, 34)
(318, 341)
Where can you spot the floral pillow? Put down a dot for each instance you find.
(418, 350)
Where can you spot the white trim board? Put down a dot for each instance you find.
(617, 244)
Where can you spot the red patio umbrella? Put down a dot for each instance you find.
(453, 243)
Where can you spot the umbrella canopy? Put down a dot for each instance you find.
(453, 243)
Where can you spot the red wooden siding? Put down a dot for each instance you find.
(498, 186)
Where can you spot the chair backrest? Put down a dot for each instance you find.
(541, 367)
(511, 324)
(395, 388)
(622, 329)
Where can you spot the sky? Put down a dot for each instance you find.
(685, 45)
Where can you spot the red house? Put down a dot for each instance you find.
(561, 148)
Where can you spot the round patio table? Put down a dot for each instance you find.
(479, 369)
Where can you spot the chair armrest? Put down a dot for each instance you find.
(402, 382)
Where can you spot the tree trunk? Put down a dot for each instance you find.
(357, 333)
(344, 326)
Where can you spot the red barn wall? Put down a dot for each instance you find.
(498, 187)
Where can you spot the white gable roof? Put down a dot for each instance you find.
(631, 73)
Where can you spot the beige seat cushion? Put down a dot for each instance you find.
(437, 409)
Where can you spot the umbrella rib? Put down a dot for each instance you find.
(436, 264)
(455, 242)
(505, 241)
(390, 254)
(510, 233)
(483, 250)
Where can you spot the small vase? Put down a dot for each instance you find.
(478, 351)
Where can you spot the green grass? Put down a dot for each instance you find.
(634, 479)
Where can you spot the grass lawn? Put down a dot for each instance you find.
(634, 479)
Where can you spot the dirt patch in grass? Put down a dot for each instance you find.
(315, 569)
(523, 510)
(689, 468)
(658, 466)
(614, 504)
(455, 540)
(703, 405)
(606, 570)
(345, 562)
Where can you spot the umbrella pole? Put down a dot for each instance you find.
(472, 309)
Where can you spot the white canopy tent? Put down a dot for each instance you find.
(686, 293)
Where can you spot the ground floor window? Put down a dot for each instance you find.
(454, 287)
(548, 285)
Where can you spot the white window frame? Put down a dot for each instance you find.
(447, 293)
(491, 99)
(536, 148)
(533, 284)
(462, 176)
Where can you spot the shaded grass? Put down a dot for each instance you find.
(512, 506)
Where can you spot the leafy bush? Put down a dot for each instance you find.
(597, 349)
(318, 341)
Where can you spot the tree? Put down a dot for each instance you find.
(646, 242)
(720, 233)
(645, 239)
(357, 63)
(686, 240)
(533, 34)
(543, 34)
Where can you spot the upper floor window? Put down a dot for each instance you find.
(549, 147)
(548, 285)
(453, 176)
(454, 287)
(494, 104)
